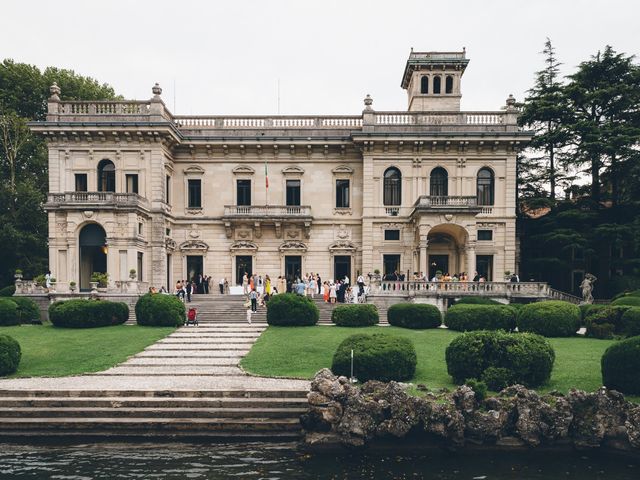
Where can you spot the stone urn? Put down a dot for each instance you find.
(94, 287)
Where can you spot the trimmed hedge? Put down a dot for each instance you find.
(631, 322)
(632, 293)
(528, 357)
(160, 310)
(588, 309)
(480, 317)
(620, 366)
(28, 310)
(292, 310)
(363, 315)
(628, 300)
(10, 355)
(552, 318)
(476, 301)
(605, 322)
(376, 357)
(8, 312)
(88, 313)
(7, 291)
(414, 315)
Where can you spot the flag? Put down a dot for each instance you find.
(266, 175)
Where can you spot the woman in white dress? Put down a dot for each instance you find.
(332, 293)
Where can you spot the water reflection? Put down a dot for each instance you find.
(284, 461)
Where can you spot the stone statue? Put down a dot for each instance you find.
(587, 288)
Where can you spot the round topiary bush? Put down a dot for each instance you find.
(292, 310)
(376, 357)
(620, 366)
(88, 313)
(627, 300)
(10, 355)
(632, 293)
(476, 301)
(465, 318)
(414, 315)
(552, 318)
(8, 312)
(363, 315)
(528, 357)
(588, 309)
(631, 322)
(605, 322)
(159, 310)
(7, 291)
(28, 310)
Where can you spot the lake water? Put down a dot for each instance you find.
(285, 461)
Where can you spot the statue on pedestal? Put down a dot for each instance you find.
(587, 288)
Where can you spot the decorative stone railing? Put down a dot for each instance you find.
(431, 202)
(104, 108)
(452, 289)
(440, 118)
(267, 211)
(102, 199)
(566, 297)
(248, 122)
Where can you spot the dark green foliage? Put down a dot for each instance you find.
(605, 322)
(7, 291)
(551, 319)
(628, 300)
(632, 293)
(498, 378)
(527, 356)
(476, 301)
(620, 366)
(8, 312)
(414, 315)
(28, 310)
(361, 315)
(480, 317)
(88, 313)
(10, 355)
(478, 387)
(158, 310)
(631, 322)
(376, 357)
(290, 310)
(587, 309)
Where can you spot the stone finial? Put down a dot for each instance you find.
(55, 92)
(368, 101)
(511, 102)
(157, 90)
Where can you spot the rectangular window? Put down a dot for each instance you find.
(243, 189)
(140, 263)
(139, 228)
(132, 182)
(485, 235)
(195, 194)
(81, 182)
(392, 234)
(342, 193)
(167, 190)
(167, 232)
(293, 192)
(484, 266)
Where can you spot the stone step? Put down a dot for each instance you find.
(170, 370)
(146, 412)
(142, 393)
(206, 341)
(192, 353)
(203, 347)
(197, 361)
(99, 434)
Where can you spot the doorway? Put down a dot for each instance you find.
(292, 267)
(391, 266)
(93, 253)
(194, 267)
(342, 267)
(484, 266)
(438, 263)
(244, 264)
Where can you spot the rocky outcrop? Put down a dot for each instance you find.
(340, 413)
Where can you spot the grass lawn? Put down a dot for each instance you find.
(48, 351)
(300, 352)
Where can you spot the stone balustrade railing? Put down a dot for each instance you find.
(95, 198)
(426, 201)
(565, 297)
(132, 107)
(267, 210)
(452, 289)
(441, 118)
(221, 122)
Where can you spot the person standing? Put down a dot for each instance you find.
(47, 280)
(245, 283)
(332, 293)
(360, 282)
(189, 290)
(253, 296)
(267, 285)
(319, 284)
(312, 286)
(221, 285)
(325, 293)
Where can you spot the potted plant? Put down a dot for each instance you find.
(507, 275)
(101, 280)
(72, 286)
(18, 274)
(132, 274)
(52, 282)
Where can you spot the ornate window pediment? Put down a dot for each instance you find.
(293, 170)
(194, 246)
(243, 170)
(243, 245)
(170, 244)
(342, 170)
(342, 246)
(293, 245)
(194, 170)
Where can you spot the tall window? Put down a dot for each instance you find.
(439, 182)
(140, 265)
(293, 192)
(243, 189)
(424, 84)
(392, 194)
(106, 176)
(342, 193)
(436, 84)
(167, 190)
(448, 84)
(132, 183)
(195, 194)
(81, 182)
(485, 187)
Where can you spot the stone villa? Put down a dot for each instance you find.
(133, 186)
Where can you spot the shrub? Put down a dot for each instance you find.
(363, 315)
(620, 366)
(605, 322)
(588, 309)
(633, 293)
(10, 355)
(527, 356)
(28, 310)
(8, 312)
(476, 301)
(414, 315)
(631, 322)
(8, 291)
(88, 313)
(497, 378)
(289, 309)
(552, 318)
(480, 317)
(628, 300)
(376, 357)
(158, 310)
(478, 387)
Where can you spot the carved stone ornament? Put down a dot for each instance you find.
(293, 170)
(243, 170)
(343, 232)
(194, 170)
(87, 213)
(243, 245)
(293, 233)
(448, 217)
(342, 246)
(194, 246)
(170, 244)
(342, 170)
(293, 245)
(342, 211)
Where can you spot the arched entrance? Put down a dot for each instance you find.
(93, 253)
(445, 249)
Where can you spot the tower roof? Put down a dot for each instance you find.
(432, 60)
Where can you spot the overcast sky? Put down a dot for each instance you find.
(225, 57)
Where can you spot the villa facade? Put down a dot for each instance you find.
(133, 186)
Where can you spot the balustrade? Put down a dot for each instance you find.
(98, 198)
(452, 289)
(267, 210)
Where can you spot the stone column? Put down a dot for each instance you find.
(424, 267)
(470, 248)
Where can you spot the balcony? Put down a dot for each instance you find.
(96, 201)
(276, 215)
(466, 204)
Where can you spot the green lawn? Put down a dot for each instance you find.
(48, 351)
(300, 352)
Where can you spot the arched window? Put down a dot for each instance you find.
(448, 85)
(439, 182)
(106, 176)
(424, 84)
(436, 84)
(485, 187)
(392, 194)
